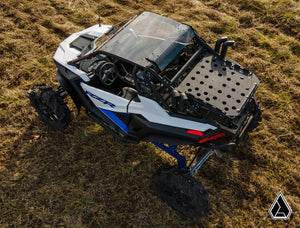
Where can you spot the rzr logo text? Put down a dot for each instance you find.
(100, 99)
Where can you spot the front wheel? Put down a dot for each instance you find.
(182, 191)
(50, 106)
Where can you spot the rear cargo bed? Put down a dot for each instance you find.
(220, 84)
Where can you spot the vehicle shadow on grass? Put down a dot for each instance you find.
(85, 177)
(229, 180)
(82, 177)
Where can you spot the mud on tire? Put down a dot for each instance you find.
(181, 191)
(50, 106)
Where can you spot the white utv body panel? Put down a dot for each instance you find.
(148, 108)
(65, 53)
(153, 112)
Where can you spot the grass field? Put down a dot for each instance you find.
(86, 178)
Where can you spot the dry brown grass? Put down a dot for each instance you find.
(85, 178)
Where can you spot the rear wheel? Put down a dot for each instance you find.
(182, 191)
(50, 106)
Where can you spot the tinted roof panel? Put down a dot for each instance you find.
(150, 36)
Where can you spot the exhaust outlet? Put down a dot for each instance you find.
(219, 42)
(225, 47)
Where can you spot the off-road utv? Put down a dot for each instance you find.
(154, 79)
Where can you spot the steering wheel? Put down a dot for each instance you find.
(107, 73)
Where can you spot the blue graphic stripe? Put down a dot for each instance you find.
(114, 118)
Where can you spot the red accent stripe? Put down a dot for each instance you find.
(212, 137)
(200, 133)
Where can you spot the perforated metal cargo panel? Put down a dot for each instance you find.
(223, 87)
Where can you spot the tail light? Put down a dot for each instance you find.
(215, 136)
(200, 133)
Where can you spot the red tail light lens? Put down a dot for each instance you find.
(216, 136)
(193, 132)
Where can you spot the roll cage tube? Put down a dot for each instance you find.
(152, 88)
(163, 102)
(150, 85)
